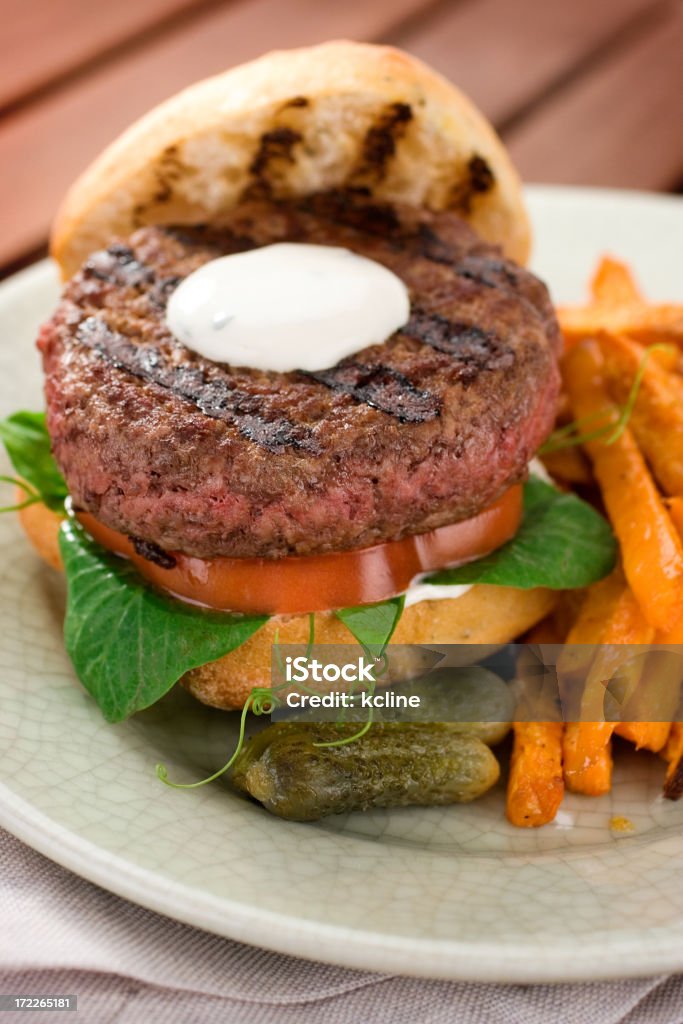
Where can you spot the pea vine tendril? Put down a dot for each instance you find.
(381, 666)
(570, 435)
(32, 496)
(263, 700)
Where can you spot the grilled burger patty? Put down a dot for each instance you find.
(189, 455)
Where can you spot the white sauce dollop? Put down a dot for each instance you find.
(289, 306)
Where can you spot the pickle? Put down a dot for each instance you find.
(392, 765)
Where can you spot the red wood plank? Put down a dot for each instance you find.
(44, 147)
(505, 53)
(619, 125)
(43, 39)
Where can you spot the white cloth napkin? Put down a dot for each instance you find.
(61, 935)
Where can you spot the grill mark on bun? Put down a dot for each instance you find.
(273, 145)
(475, 349)
(215, 398)
(383, 388)
(477, 179)
(379, 145)
(481, 175)
(296, 101)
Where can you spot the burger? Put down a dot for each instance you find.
(294, 384)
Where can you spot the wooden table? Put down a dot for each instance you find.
(582, 91)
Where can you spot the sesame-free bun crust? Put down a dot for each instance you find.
(484, 615)
(341, 115)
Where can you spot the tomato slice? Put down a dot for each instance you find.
(312, 583)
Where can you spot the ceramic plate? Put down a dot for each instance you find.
(451, 893)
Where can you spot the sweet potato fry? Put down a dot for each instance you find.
(567, 465)
(535, 784)
(613, 284)
(587, 757)
(673, 752)
(576, 659)
(609, 618)
(597, 608)
(670, 358)
(624, 622)
(614, 657)
(674, 634)
(675, 507)
(578, 654)
(611, 621)
(655, 701)
(645, 735)
(651, 549)
(657, 416)
(645, 323)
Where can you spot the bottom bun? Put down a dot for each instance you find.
(483, 615)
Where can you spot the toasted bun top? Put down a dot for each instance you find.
(340, 115)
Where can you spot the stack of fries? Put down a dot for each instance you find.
(636, 464)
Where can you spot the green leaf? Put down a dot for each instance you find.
(562, 544)
(25, 436)
(128, 642)
(373, 625)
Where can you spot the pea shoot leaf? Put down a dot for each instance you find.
(373, 625)
(25, 436)
(128, 642)
(562, 543)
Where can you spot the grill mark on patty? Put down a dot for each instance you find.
(161, 290)
(383, 388)
(350, 207)
(475, 349)
(118, 265)
(380, 219)
(482, 269)
(477, 268)
(207, 239)
(215, 398)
